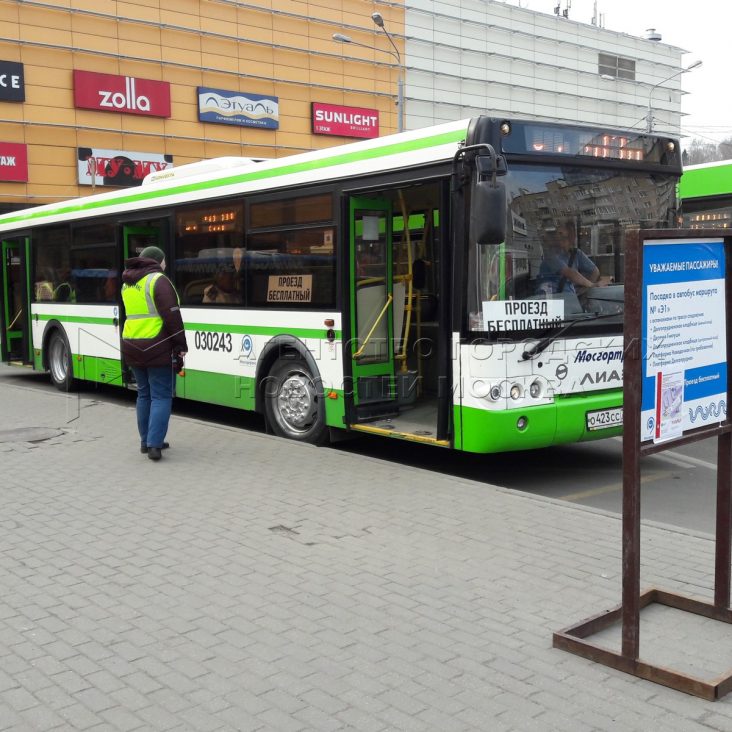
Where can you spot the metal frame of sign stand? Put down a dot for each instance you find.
(575, 638)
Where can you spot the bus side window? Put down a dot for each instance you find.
(111, 287)
(223, 289)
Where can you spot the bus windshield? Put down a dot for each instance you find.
(563, 256)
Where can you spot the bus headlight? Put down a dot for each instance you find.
(495, 393)
(535, 390)
(516, 392)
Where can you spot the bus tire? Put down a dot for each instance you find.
(60, 366)
(293, 403)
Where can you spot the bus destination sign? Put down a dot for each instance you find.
(596, 143)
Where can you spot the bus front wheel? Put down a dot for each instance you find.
(59, 362)
(293, 405)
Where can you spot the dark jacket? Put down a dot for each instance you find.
(158, 351)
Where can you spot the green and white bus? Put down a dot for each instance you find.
(705, 193)
(390, 286)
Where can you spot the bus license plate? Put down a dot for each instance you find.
(604, 418)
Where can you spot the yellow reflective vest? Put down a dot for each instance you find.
(142, 319)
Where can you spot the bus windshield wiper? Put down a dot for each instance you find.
(544, 343)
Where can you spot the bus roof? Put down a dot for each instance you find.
(399, 151)
(706, 179)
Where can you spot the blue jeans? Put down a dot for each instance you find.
(154, 403)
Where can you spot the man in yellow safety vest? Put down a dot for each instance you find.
(153, 344)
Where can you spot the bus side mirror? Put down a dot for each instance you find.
(488, 212)
(488, 200)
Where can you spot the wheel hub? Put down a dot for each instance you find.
(296, 401)
(59, 360)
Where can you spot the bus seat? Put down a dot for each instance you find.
(193, 291)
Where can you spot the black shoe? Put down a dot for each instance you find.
(154, 453)
(144, 448)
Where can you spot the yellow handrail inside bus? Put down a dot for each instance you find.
(15, 319)
(409, 279)
(373, 327)
(369, 281)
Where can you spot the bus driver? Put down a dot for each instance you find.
(565, 267)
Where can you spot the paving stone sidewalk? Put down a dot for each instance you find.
(250, 583)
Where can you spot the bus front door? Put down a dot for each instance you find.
(15, 341)
(372, 307)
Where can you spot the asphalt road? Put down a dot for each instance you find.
(678, 486)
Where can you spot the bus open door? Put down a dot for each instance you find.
(15, 341)
(372, 307)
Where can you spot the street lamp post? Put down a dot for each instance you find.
(649, 113)
(379, 20)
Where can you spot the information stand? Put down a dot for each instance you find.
(678, 293)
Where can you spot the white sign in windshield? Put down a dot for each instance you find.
(504, 315)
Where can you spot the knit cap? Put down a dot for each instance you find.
(155, 253)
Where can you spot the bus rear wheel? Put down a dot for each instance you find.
(293, 403)
(59, 362)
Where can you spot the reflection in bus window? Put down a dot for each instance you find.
(598, 202)
(294, 268)
(208, 249)
(52, 270)
(224, 287)
(94, 275)
(290, 260)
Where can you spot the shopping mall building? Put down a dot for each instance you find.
(98, 93)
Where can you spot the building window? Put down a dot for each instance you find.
(615, 66)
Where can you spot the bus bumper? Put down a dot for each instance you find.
(562, 422)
